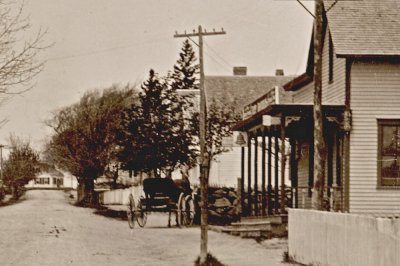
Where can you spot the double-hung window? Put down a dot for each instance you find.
(389, 153)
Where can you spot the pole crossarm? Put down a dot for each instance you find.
(196, 34)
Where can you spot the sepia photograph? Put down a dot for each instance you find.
(204, 133)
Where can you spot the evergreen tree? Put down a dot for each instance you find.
(154, 134)
(186, 70)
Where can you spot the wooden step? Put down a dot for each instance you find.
(247, 232)
(274, 219)
(262, 225)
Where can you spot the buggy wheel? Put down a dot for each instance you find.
(130, 212)
(188, 210)
(141, 214)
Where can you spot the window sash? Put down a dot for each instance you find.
(389, 153)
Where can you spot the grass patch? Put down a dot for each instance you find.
(211, 261)
(11, 201)
(286, 258)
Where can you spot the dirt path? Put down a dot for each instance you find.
(45, 230)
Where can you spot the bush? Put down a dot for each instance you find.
(211, 261)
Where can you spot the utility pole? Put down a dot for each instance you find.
(1, 161)
(319, 145)
(203, 148)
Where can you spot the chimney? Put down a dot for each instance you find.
(279, 72)
(240, 71)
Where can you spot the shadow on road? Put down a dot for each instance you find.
(106, 212)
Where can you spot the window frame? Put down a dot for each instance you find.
(331, 59)
(382, 183)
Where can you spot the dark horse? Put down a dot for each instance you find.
(167, 187)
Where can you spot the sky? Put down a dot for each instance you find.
(98, 43)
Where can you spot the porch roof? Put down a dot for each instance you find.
(289, 109)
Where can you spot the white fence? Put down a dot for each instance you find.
(120, 196)
(327, 238)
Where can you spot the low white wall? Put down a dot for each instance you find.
(328, 238)
(120, 196)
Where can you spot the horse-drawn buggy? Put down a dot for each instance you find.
(163, 195)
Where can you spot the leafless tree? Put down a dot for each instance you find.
(19, 52)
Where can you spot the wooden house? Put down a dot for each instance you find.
(361, 109)
(235, 91)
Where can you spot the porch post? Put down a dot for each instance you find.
(276, 171)
(263, 171)
(311, 167)
(283, 163)
(330, 162)
(242, 181)
(256, 174)
(249, 207)
(293, 172)
(269, 187)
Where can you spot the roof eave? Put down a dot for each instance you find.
(368, 56)
(298, 83)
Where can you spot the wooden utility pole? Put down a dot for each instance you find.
(319, 145)
(203, 148)
(1, 161)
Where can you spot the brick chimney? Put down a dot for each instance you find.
(240, 71)
(279, 72)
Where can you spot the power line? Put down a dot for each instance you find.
(116, 48)
(218, 55)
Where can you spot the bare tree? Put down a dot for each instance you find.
(19, 62)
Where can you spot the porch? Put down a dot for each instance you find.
(277, 159)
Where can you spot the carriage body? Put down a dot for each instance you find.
(162, 195)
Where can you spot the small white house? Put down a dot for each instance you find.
(53, 179)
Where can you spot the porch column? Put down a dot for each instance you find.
(249, 201)
(256, 174)
(338, 160)
(242, 177)
(263, 172)
(330, 163)
(294, 172)
(311, 167)
(276, 196)
(269, 187)
(283, 163)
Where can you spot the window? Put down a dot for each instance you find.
(389, 153)
(330, 59)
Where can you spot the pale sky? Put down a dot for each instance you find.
(101, 42)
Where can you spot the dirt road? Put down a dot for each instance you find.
(45, 230)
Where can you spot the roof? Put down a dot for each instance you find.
(364, 27)
(241, 90)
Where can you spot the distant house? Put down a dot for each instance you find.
(53, 179)
(361, 106)
(237, 90)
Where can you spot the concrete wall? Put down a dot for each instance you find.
(327, 238)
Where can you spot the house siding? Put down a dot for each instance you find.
(305, 94)
(375, 93)
(333, 93)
